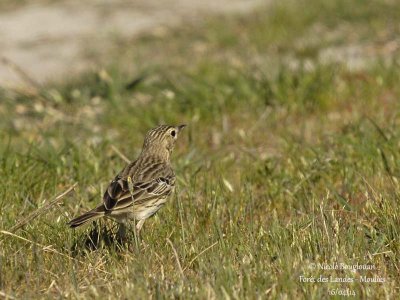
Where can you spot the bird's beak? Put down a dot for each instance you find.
(180, 127)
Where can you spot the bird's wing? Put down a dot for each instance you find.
(123, 192)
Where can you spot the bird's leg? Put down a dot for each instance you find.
(136, 231)
(121, 234)
(139, 225)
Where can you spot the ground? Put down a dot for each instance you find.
(289, 165)
(73, 36)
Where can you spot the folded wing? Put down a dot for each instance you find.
(122, 192)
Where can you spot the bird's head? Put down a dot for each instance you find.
(160, 141)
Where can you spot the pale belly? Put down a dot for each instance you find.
(146, 210)
(138, 211)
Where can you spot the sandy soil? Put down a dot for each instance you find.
(50, 41)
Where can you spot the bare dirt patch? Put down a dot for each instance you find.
(51, 41)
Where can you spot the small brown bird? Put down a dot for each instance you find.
(143, 186)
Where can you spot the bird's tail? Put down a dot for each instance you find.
(91, 215)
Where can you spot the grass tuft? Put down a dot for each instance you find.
(288, 161)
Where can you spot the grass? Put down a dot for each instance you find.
(287, 161)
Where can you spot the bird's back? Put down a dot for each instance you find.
(146, 168)
(139, 180)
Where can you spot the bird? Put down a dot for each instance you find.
(143, 186)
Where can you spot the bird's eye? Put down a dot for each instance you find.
(173, 133)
